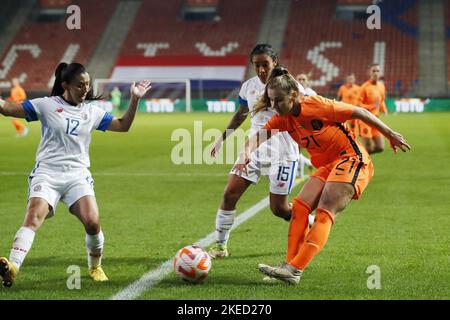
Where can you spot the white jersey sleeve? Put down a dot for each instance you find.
(33, 109)
(102, 119)
(243, 99)
(310, 92)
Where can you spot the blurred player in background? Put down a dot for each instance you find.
(349, 93)
(18, 95)
(304, 81)
(344, 167)
(116, 96)
(278, 160)
(68, 118)
(372, 97)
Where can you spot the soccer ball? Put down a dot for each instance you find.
(192, 264)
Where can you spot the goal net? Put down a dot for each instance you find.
(166, 95)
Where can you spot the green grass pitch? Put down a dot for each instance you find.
(150, 208)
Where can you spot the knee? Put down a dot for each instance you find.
(230, 197)
(336, 200)
(369, 149)
(92, 226)
(35, 217)
(377, 149)
(282, 210)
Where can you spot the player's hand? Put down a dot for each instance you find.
(397, 141)
(241, 166)
(140, 89)
(216, 148)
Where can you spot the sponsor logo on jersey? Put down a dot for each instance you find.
(84, 116)
(59, 110)
(37, 188)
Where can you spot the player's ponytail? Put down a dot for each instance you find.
(67, 73)
(278, 71)
(279, 79)
(57, 89)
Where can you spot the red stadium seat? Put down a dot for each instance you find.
(357, 45)
(54, 39)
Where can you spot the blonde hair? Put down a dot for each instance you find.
(279, 79)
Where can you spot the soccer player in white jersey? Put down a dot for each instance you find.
(68, 118)
(277, 160)
(304, 81)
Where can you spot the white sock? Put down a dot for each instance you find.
(21, 245)
(94, 246)
(305, 161)
(224, 222)
(311, 219)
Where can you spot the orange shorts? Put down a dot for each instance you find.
(366, 131)
(347, 169)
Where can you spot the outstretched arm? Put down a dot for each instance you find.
(137, 91)
(15, 110)
(251, 145)
(235, 122)
(396, 139)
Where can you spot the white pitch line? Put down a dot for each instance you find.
(154, 276)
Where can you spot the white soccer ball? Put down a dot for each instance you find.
(192, 264)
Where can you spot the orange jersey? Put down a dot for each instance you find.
(371, 97)
(18, 94)
(349, 94)
(320, 130)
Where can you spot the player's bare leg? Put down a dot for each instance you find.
(226, 213)
(37, 211)
(86, 210)
(378, 143)
(368, 144)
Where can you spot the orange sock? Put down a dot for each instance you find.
(315, 240)
(18, 125)
(298, 229)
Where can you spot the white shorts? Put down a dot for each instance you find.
(281, 175)
(54, 183)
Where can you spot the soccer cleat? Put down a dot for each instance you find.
(8, 272)
(283, 273)
(269, 279)
(218, 251)
(98, 274)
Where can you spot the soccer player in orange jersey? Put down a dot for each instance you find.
(17, 96)
(344, 167)
(349, 93)
(371, 97)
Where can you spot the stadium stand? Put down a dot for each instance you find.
(40, 45)
(340, 46)
(335, 46)
(235, 31)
